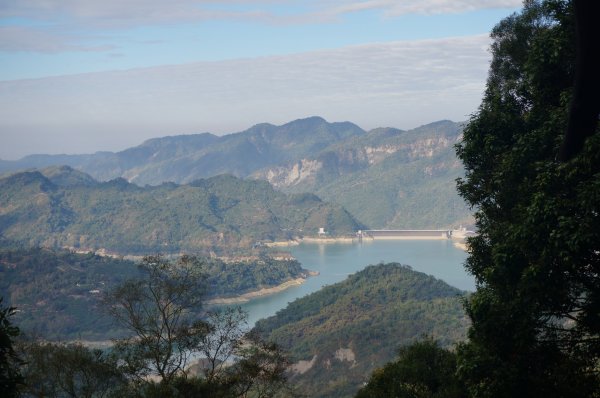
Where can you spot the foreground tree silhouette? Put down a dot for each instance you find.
(423, 369)
(69, 370)
(159, 310)
(10, 375)
(536, 311)
(163, 312)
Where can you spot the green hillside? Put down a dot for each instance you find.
(337, 336)
(387, 178)
(57, 292)
(68, 209)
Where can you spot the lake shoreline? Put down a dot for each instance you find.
(461, 245)
(266, 291)
(346, 239)
(296, 242)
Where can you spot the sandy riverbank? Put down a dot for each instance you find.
(341, 239)
(282, 243)
(307, 239)
(244, 298)
(461, 245)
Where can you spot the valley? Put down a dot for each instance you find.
(272, 214)
(257, 199)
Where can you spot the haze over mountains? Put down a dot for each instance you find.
(186, 158)
(387, 178)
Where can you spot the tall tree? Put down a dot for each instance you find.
(10, 375)
(585, 105)
(161, 311)
(423, 370)
(73, 371)
(536, 311)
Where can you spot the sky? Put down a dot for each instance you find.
(80, 76)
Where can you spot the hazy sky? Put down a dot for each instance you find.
(77, 76)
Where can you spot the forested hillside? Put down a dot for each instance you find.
(68, 209)
(387, 178)
(338, 335)
(58, 292)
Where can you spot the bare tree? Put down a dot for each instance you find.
(161, 311)
(225, 337)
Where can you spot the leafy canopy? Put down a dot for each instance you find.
(536, 312)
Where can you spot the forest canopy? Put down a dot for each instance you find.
(536, 318)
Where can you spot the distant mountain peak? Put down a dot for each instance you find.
(310, 119)
(66, 176)
(179, 137)
(27, 178)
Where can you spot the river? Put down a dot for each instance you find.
(335, 261)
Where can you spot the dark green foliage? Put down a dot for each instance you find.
(220, 212)
(70, 371)
(10, 376)
(352, 327)
(57, 291)
(235, 278)
(423, 370)
(536, 328)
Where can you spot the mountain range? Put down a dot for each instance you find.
(186, 158)
(386, 177)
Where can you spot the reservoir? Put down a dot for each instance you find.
(335, 261)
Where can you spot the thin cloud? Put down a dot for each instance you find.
(133, 13)
(402, 84)
(52, 26)
(127, 14)
(20, 38)
(396, 8)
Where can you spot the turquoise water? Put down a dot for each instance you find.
(336, 261)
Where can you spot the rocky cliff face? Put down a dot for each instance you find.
(308, 172)
(387, 178)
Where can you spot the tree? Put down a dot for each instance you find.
(163, 312)
(222, 340)
(260, 370)
(70, 371)
(536, 312)
(585, 105)
(423, 370)
(10, 376)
